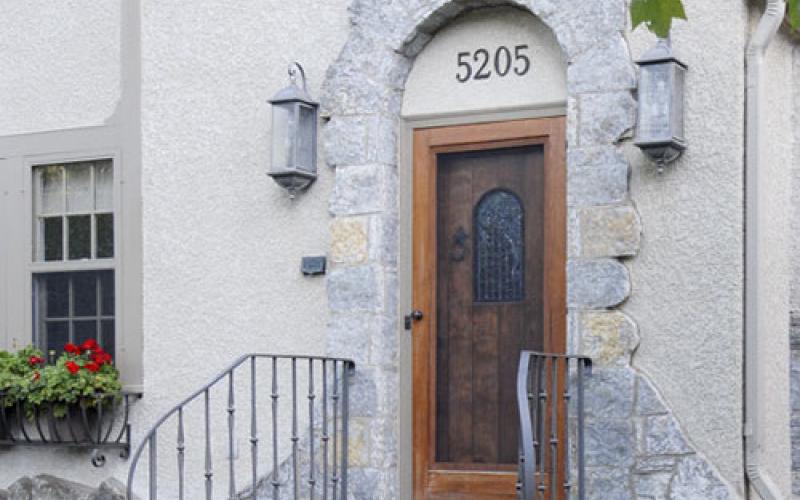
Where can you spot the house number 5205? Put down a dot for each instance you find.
(478, 65)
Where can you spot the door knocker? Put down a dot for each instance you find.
(459, 250)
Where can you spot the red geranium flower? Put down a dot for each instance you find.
(72, 348)
(35, 360)
(92, 366)
(72, 366)
(90, 345)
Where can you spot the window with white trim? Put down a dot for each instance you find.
(73, 206)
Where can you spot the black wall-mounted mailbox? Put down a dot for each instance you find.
(313, 266)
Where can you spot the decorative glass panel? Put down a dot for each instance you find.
(499, 248)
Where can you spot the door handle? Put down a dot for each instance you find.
(415, 315)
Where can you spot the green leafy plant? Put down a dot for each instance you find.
(657, 15)
(82, 375)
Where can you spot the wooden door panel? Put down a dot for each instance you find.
(489, 240)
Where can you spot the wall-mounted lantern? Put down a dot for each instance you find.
(294, 135)
(659, 131)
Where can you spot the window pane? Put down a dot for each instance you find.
(79, 187)
(84, 330)
(104, 186)
(499, 248)
(80, 236)
(57, 335)
(105, 235)
(50, 189)
(84, 288)
(107, 336)
(107, 292)
(56, 291)
(52, 235)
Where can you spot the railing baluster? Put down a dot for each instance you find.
(231, 434)
(333, 463)
(153, 466)
(311, 396)
(345, 424)
(181, 458)
(335, 397)
(209, 474)
(275, 480)
(542, 411)
(567, 398)
(582, 364)
(554, 402)
(324, 430)
(295, 475)
(253, 426)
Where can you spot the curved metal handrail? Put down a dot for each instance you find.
(544, 416)
(149, 439)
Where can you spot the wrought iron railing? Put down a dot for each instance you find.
(96, 423)
(550, 397)
(309, 463)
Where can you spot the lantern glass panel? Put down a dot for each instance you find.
(654, 103)
(306, 132)
(679, 76)
(284, 128)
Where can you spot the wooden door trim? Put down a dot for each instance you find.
(427, 143)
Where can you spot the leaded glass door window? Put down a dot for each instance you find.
(73, 253)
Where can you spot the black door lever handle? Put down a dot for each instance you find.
(415, 315)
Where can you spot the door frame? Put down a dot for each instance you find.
(426, 144)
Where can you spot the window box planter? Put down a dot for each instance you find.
(73, 401)
(96, 423)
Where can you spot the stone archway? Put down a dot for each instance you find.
(634, 444)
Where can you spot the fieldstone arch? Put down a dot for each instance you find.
(635, 446)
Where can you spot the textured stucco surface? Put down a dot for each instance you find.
(687, 280)
(222, 242)
(432, 87)
(60, 64)
(775, 269)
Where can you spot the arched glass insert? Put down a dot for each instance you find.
(499, 248)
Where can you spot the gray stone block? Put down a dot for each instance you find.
(605, 183)
(663, 436)
(696, 480)
(601, 68)
(349, 336)
(364, 189)
(609, 442)
(608, 483)
(655, 464)
(605, 117)
(355, 289)
(652, 486)
(647, 400)
(596, 283)
(609, 393)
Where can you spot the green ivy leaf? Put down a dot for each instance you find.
(657, 15)
(793, 12)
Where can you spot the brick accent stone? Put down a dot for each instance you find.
(610, 231)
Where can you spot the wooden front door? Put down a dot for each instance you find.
(489, 279)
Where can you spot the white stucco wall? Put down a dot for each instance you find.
(222, 242)
(775, 227)
(687, 280)
(432, 88)
(60, 64)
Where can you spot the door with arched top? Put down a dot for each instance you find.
(489, 278)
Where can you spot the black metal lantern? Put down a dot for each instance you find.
(660, 127)
(294, 135)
